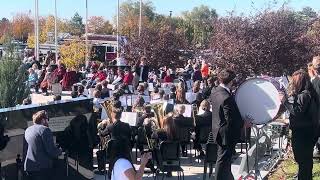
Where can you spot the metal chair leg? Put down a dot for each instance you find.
(210, 169)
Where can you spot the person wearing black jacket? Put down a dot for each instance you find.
(143, 70)
(203, 122)
(226, 123)
(303, 107)
(182, 123)
(314, 73)
(117, 129)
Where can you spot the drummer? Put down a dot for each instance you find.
(226, 125)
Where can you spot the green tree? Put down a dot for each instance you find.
(13, 75)
(76, 25)
(198, 25)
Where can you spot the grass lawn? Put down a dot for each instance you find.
(288, 168)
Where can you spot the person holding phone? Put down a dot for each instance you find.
(121, 166)
(302, 103)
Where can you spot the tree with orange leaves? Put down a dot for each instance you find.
(98, 25)
(22, 26)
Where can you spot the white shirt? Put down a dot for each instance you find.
(120, 166)
(225, 87)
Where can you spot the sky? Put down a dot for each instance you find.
(107, 8)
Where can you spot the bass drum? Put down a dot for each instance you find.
(258, 100)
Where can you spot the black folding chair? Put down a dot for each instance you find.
(168, 159)
(202, 136)
(184, 137)
(210, 158)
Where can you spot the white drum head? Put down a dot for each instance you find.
(258, 99)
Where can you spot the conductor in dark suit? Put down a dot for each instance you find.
(143, 70)
(226, 123)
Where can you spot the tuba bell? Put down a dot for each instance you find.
(107, 105)
(159, 113)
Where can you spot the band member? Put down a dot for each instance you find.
(226, 124)
(117, 129)
(303, 107)
(181, 96)
(181, 123)
(203, 119)
(143, 70)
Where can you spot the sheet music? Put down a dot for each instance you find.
(166, 85)
(111, 86)
(58, 124)
(123, 100)
(150, 87)
(129, 117)
(191, 97)
(188, 109)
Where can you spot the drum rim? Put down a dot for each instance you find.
(264, 79)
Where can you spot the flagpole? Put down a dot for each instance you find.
(56, 29)
(37, 30)
(87, 44)
(118, 7)
(140, 18)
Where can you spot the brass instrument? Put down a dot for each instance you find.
(159, 113)
(107, 105)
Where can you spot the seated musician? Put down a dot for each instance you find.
(167, 132)
(155, 95)
(181, 123)
(181, 96)
(105, 90)
(138, 105)
(196, 87)
(162, 94)
(140, 90)
(204, 119)
(199, 99)
(172, 94)
(117, 129)
(144, 126)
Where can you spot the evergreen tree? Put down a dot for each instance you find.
(13, 77)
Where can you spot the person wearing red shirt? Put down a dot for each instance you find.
(168, 78)
(128, 77)
(204, 69)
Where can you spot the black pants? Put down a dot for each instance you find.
(223, 164)
(302, 147)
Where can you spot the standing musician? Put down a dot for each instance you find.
(226, 123)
